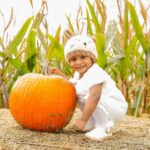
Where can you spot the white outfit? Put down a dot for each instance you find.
(112, 105)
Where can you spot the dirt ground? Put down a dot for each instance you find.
(131, 134)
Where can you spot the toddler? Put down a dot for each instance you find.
(101, 102)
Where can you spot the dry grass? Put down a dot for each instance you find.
(131, 134)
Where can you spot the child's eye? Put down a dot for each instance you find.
(82, 57)
(73, 59)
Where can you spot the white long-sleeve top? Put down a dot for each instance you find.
(96, 75)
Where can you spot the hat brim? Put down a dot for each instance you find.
(79, 53)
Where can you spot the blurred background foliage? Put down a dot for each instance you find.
(123, 49)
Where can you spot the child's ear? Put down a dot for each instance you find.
(67, 34)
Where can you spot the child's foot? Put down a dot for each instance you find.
(97, 134)
(110, 124)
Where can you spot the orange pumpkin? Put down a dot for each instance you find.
(41, 102)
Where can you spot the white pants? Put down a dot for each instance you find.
(108, 110)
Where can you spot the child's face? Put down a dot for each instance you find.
(80, 63)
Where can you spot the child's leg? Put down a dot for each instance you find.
(101, 117)
(112, 107)
(91, 122)
(101, 122)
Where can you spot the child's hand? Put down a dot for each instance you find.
(79, 125)
(55, 70)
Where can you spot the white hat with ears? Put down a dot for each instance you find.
(80, 45)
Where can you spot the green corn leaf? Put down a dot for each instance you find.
(100, 46)
(130, 54)
(70, 24)
(57, 35)
(42, 39)
(100, 42)
(94, 17)
(31, 50)
(79, 13)
(137, 27)
(89, 27)
(16, 63)
(58, 46)
(117, 46)
(123, 67)
(19, 72)
(55, 45)
(143, 12)
(126, 24)
(110, 33)
(2, 54)
(131, 46)
(18, 38)
(102, 11)
(148, 60)
(137, 101)
(1, 43)
(114, 60)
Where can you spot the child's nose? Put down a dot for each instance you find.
(79, 61)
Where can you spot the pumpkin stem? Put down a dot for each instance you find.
(46, 69)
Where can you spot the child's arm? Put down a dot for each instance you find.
(56, 71)
(92, 101)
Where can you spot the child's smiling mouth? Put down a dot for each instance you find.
(80, 68)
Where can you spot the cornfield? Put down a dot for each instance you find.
(123, 48)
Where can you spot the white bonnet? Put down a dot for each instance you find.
(82, 45)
